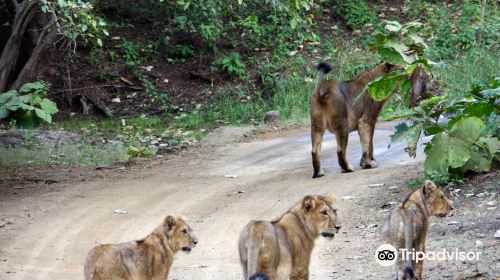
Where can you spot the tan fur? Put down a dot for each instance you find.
(281, 249)
(408, 223)
(147, 259)
(342, 107)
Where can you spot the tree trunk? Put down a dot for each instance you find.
(10, 53)
(31, 68)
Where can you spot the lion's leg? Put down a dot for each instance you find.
(304, 275)
(371, 144)
(317, 132)
(365, 131)
(342, 137)
(395, 271)
(419, 267)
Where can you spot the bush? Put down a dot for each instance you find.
(468, 141)
(355, 13)
(232, 64)
(463, 29)
(30, 107)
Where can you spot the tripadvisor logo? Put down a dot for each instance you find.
(387, 255)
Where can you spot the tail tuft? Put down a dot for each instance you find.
(408, 273)
(259, 276)
(324, 67)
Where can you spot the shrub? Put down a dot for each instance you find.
(27, 106)
(468, 141)
(232, 64)
(355, 13)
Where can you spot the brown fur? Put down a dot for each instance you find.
(281, 249)
(408, 223)
(147, 259)
(342, 107)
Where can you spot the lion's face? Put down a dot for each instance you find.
(320, 215)
(180, 234)
(437, 204)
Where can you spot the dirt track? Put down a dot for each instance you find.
(272, 174)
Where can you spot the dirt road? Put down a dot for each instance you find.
(52, 232)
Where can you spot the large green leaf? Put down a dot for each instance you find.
(418, 40)
(18, 104)
(437, 155)
(401, 49)
(405, 85)
(4, 112)
(391, 55)
(479, 109)
(458, 152)
(412, 138)
(398, 114)
(431, 130)
(393, 26)
(43, 115)
(383, 87)
(491, 144)
(478, 162)
(7, 96)
(468, 129)
(33, 87)
(48, 106)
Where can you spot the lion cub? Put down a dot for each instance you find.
(407, 225)
(149, 258)
(281, 249)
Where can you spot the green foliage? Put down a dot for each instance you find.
(27, 106)
(456, 26)
(476, 65)
(467, 142)
(76, 20)
(399, 45)
(152, 92)
(130, 52)
(355, 13)
(232, 64)
(182, 51)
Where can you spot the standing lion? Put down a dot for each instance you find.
(281, 249)
(407, 225)
(342, 107)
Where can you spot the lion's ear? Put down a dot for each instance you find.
(308, 203)
(429, 187)
(329, 198)
(169, 223)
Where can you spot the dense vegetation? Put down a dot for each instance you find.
(241, 59)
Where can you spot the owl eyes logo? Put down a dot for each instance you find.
(386, 255)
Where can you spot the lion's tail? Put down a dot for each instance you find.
(408, 233)
(259, 276)
(323, 68)
(253, 256)
(88, 271)
(89, 267)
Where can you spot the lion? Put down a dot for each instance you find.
(149, 258)
(407, 225)
(342, 107)
(281, 249)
